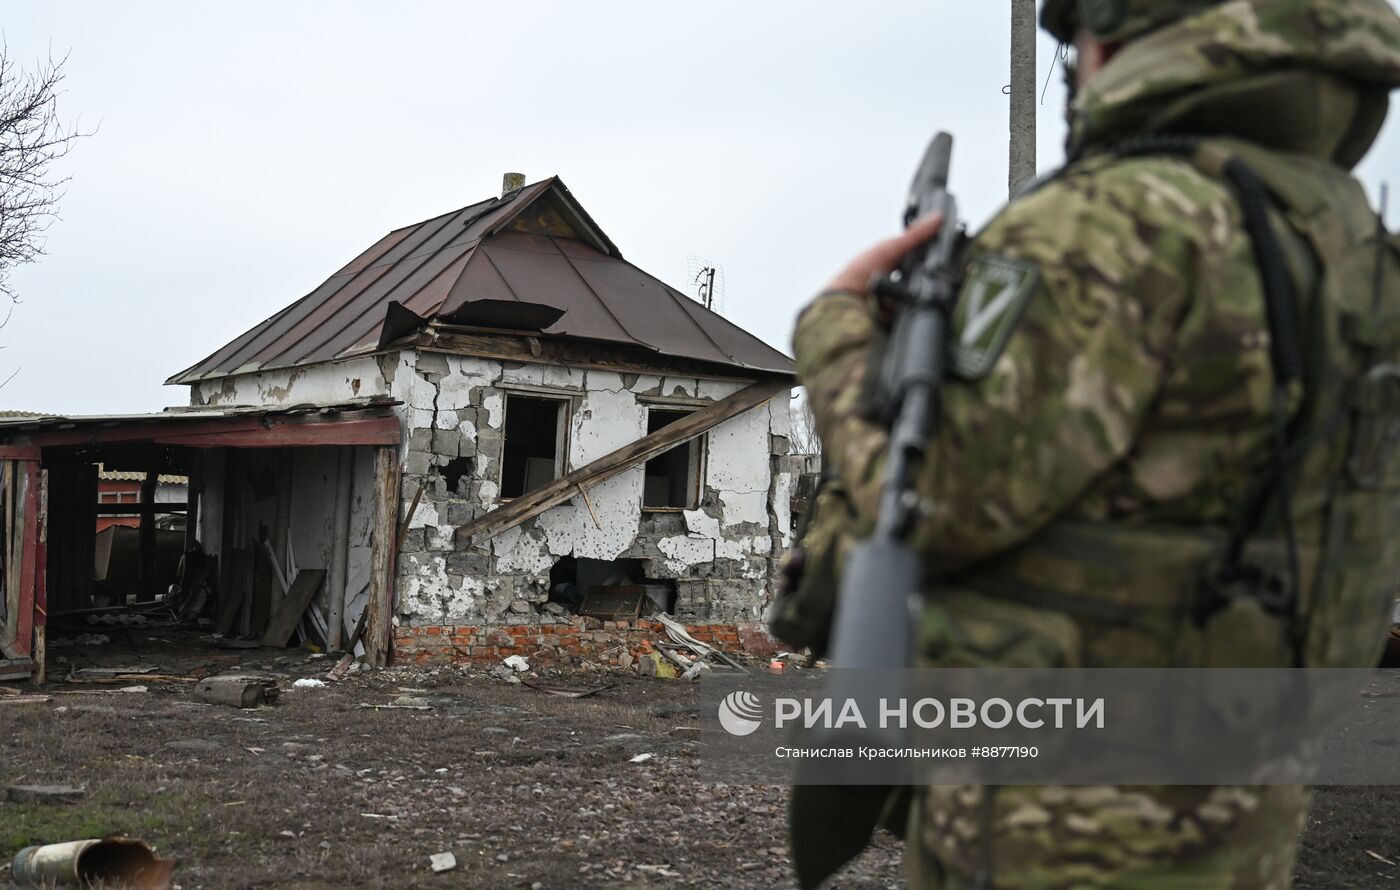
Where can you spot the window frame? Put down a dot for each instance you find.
(701, 452)
(562, 432)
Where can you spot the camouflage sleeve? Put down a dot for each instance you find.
(1116, 250)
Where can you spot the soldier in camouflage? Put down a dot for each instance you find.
(1123, 471)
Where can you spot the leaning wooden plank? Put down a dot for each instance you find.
(294, 605)
(644, 449)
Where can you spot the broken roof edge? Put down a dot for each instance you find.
(423, 338)
(564, 349)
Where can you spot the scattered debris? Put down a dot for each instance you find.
(107, 862)
(1378, 857)
(44, 794)
(308, 683)
(641, 758)
(517, 663)
(238, 692)
(123, 675)
(123, 690)
(25, 699)
(341, 669)
(403, 703)
(677, 632)
(661, 871)
(566, 693)
(91, 640)
(442, 862)
(654, 664)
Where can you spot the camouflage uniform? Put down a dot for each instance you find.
(1091, 468)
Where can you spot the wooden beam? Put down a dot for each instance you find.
(238, 432)
(384, 431)
(533, 503)
(111, 509)
(379, 627)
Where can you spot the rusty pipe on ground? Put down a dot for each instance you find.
(107, 862)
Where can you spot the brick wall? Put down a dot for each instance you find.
(581, 638)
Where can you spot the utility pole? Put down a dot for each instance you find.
(1023, 34)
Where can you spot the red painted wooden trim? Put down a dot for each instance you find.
(24, 627)
(41, 564)
(19, 452)
(41, 586)
(382, 431)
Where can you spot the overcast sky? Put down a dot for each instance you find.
(244, 152)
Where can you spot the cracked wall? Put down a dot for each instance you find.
(722, 555)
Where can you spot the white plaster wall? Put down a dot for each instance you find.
(324, 384)
(457, 403)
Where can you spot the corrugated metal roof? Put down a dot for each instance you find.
(537, 247)
(107, 475)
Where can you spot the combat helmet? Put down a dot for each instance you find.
(1113, 21)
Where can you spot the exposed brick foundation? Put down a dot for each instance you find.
(602, 641)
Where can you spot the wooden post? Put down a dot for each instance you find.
(340, 546)
(384, 548)
(195, 473)
(146, 570)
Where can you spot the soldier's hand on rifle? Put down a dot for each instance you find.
(882, 259)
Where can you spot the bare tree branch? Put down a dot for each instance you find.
(31, 139)
(804, 427)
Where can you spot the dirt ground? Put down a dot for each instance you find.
(525, 788)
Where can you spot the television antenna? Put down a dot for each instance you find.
(705, 283)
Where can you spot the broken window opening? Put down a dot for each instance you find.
(533, 453)
(615, 590)
(671, 481)
(454, 471)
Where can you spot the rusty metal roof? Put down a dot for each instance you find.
(533, 254)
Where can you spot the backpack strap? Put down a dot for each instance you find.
(1233, 578)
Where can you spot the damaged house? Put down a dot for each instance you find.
(488, 434)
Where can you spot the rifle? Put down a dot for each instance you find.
(873, 627)
(874, 620)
